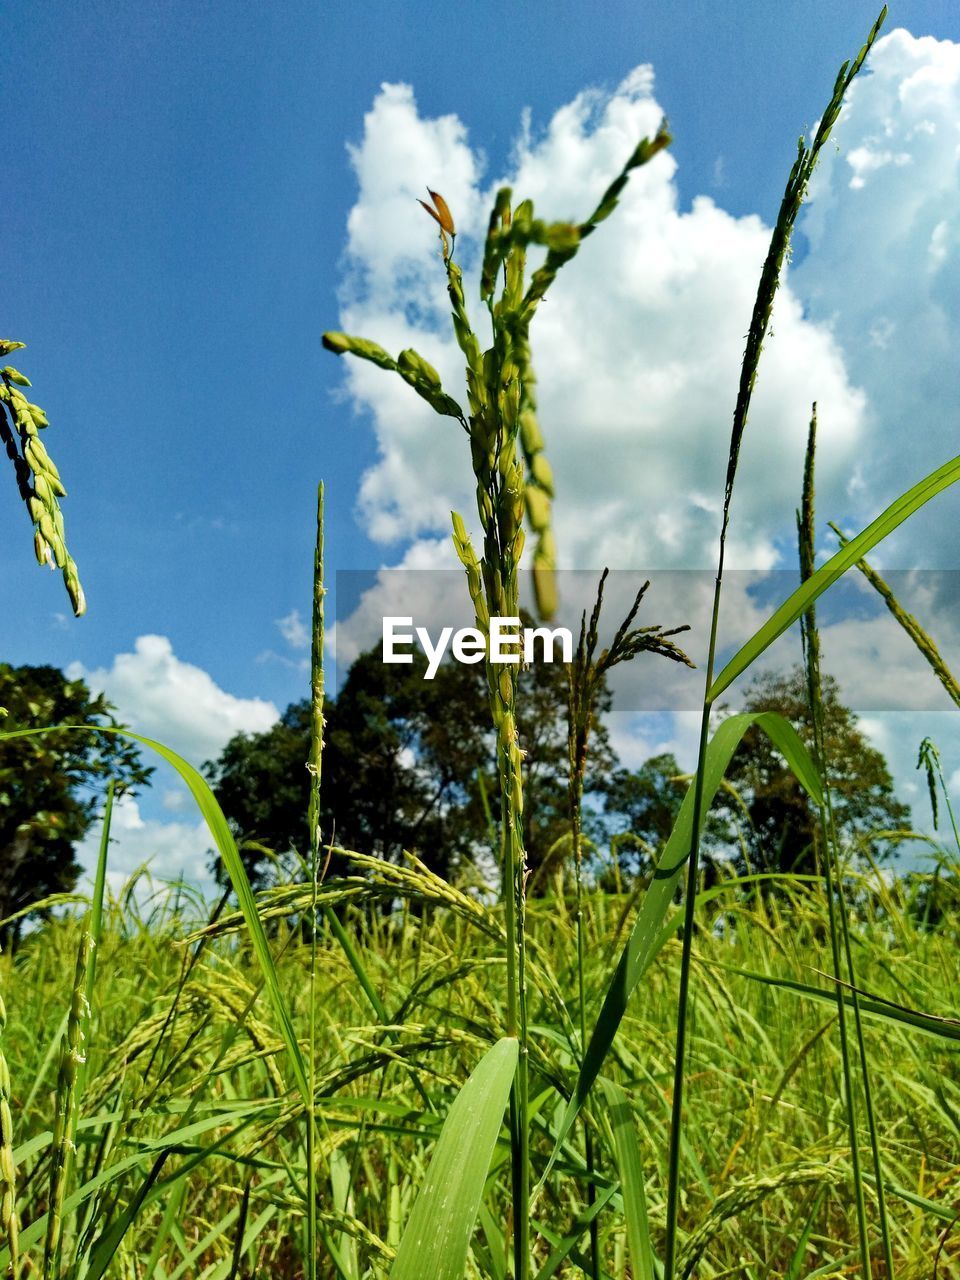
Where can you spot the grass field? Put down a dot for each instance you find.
(185, 1064)
(388, 1075)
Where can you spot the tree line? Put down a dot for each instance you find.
(408, 765)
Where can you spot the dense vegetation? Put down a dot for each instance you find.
(208, 1089)
(358, 1067)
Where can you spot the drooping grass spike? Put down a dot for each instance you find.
(38, 479)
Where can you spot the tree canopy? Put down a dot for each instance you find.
(779, 833)
(407, 765)
(51, 785)
(762, 819)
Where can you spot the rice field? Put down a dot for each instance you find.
(189, 1109)
(386, 1075)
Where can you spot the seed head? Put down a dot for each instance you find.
(440, 212)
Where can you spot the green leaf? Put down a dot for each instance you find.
(648, 935)
(874, 1007)
(804, 596)
(630, 1172)
(437, 1235)
(564, 1246)
(226, 845)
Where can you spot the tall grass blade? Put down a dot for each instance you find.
(642, 945)
(437, 1236)
(799, 601)
(630, 1172)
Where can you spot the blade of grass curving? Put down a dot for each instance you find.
(874, 1007)
(630, 1172)
(437, 1235)
(799, 601)
(227, 848)
(645, 937)
(795, 1269)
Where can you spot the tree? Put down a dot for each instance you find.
(399, 756)
(407, 763)
(641, 807)
(644, 803)
(779, 833)
(51, 785)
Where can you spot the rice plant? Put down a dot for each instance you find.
(382, 1073)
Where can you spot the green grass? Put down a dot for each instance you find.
(212, 1086)
(384, 1076)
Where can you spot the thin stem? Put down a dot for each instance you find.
(793, 195)
(683, 995)
(313, 817)
(806, 527)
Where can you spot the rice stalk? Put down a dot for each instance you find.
(512, 480)
(314, 767)
(833, 873)
(8, 1173)
(800, 174)
(585, 676)
(929, 760)
(744, 1195)
(37, 477)
(921, 638)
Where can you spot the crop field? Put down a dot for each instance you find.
(359, 1068)
(190, 1108)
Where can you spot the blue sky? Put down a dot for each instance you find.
(176, 232)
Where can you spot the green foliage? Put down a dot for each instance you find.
(777, 832)
(51, 786)
(401, 761)
(437, 1236)
(183, 1059)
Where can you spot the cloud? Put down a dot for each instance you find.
(883, 271)
(169, 849)
(179, 704)
(637, 347)
(294, 630)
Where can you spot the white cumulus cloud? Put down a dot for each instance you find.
(181, 705)
(168, 850)
(883, 271)
(637, 347)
